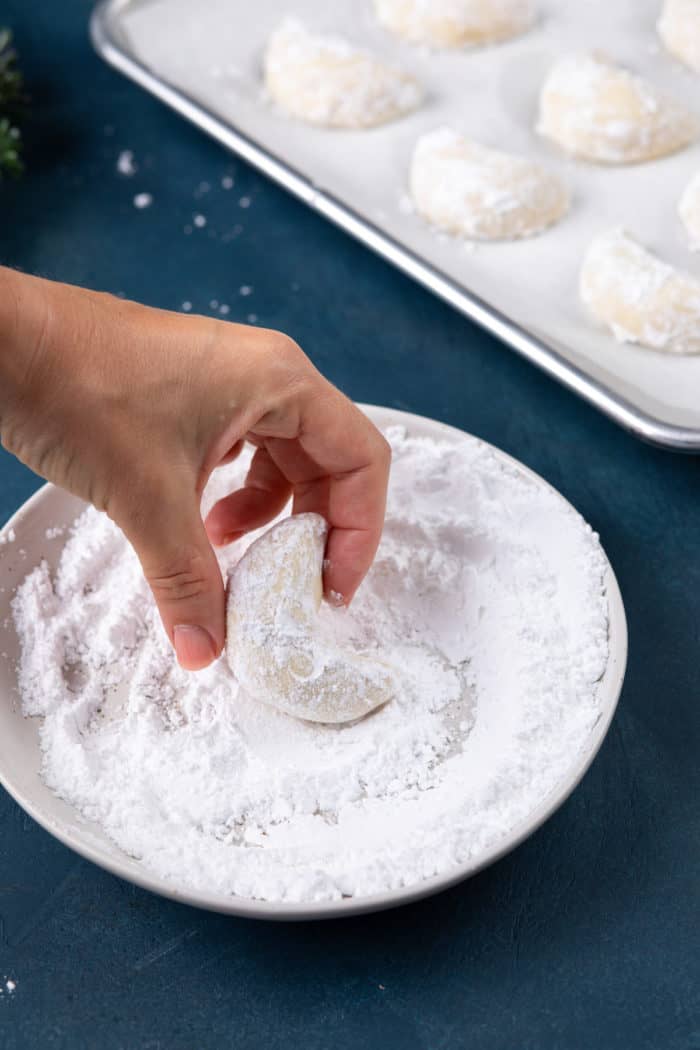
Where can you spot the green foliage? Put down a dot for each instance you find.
(11, 100)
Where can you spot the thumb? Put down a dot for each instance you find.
(183, 573)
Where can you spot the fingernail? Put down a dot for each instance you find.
(194, 647)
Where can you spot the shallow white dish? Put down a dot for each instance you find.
(19, 739)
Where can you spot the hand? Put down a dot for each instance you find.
(132, 409)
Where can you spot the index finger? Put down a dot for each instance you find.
(343, 474)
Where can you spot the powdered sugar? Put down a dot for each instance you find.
(486, 597)
(126, 165)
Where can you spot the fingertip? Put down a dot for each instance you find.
(213, 526)
(227, 540)
(336, 599)
(194, 647)
(233, 453)
(245, 509)
(349, 555)
(218, 528)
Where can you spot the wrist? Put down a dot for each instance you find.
(24, 323)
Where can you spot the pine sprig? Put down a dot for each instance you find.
(11, 100)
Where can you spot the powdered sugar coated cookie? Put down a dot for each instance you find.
(279, 648)
(473, 191)
(601, 112)
(679, 28)
(455, 23)
(640, 297)
(326, 80)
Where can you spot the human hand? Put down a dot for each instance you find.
(132, 408)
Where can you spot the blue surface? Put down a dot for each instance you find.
(587, 936)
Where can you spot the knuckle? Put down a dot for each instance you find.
(181, 579)
(284, 347)
(290, 374)
(291, 364)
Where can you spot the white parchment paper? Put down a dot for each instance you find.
(212, 50)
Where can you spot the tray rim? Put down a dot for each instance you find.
(612, 681)
(653, 430)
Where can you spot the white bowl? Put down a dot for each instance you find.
(20, 755)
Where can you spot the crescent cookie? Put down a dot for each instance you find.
(325, 80)
(481, 193)
(641, 298)
(276, 645)
(455, 23)
(679, 28)
(601, 112)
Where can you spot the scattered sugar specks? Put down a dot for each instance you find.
(213, 304)
(54, 533)
(7, 986)
(143, 200)
(186, 306)
(126, 164)
(224, 309)
(199, 220)
(245, 289)
(231, 235)
(7, 537)
(227, 182)
(252, 318)
(244, 202)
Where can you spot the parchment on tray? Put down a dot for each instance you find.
(212, 50)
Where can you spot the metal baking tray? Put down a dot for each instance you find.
(203, 60)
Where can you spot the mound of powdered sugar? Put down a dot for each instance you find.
(486, 597)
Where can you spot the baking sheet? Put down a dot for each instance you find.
(210, 52)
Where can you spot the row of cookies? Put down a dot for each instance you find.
(590, 107)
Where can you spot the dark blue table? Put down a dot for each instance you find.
(587, 936)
